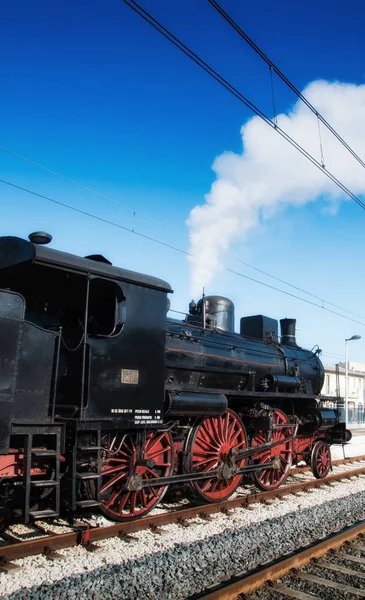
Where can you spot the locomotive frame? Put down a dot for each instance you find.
(104, 402)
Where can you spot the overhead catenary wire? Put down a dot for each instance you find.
(88, 189)
(170, 246)
(235, 92)
(267, 120)
(167, 227)
(332, 354)
(284, 78)
(292, 295)
(163, 225)
(88, 214)
(299, 289)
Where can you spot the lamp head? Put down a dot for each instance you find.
(354, 337)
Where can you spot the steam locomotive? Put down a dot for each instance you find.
(105, 402)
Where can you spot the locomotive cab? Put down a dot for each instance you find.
(88, 365)
(105, 358)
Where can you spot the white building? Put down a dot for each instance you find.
(334, 385)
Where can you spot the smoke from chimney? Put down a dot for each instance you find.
(269, 173)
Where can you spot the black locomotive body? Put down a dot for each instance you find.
(104, 402)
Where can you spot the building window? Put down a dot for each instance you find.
(328, 388)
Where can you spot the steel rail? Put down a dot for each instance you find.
(335, 463)
(87, 536)
(258, 577)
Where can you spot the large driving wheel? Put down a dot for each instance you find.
(270, 479)
(321, 459)
(209, 447)
(121, 462)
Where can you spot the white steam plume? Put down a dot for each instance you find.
(270, 172)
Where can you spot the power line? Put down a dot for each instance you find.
(151, 239)
(299, 289)
(335, 355)
(235, 92)
(283, 77)
(88, 214)
(292, 295)
(87, 189)
(215, 75)
(156, 222)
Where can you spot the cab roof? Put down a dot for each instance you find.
(14, 251)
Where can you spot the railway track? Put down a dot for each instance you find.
(45, 541)
(311, 568)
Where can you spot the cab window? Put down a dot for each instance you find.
(107, 309)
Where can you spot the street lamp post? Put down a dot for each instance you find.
(354, 337)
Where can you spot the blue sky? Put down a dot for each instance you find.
(91, 91)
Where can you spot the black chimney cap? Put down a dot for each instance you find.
(40, 237)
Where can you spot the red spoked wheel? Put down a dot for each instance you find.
(121, 463)
(321, 459)
(209, 447)
(270, 479)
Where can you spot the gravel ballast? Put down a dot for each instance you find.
(186, 560)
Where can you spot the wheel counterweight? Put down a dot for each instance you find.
(211, 446)
(123, 461)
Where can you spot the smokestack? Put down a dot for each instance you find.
(287, 327)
